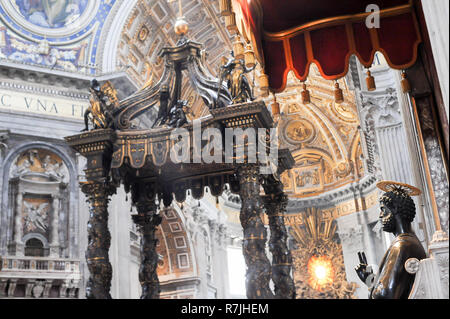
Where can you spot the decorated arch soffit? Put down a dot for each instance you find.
(149, 28)
(62, 35)
(176, 260)
(322, 135)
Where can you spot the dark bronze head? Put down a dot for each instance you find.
(181, 103)
(396, 205)
(95, 85)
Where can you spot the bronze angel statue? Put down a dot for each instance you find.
(233, 73)
(103, 101)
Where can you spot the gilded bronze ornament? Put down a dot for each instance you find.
(233, 73)
(103, 100)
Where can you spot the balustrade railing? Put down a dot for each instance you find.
(39, 264)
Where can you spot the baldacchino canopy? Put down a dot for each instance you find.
(292, 34)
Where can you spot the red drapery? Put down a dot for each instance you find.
(292, 34)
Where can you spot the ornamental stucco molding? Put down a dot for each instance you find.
(341, 195)
(111, 34)
(39, 81)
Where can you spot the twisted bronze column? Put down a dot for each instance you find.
(148, 220)
(99, 239)
(255, 234)
(281, 255)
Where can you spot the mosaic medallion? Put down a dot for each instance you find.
(51, 13)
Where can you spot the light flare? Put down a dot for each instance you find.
(321, 272)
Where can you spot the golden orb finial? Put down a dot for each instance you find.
(181, 26)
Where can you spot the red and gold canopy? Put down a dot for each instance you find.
(292, 34)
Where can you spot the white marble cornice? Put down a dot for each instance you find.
(334, 197)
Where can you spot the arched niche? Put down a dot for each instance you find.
(38, 197)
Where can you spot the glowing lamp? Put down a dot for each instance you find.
(321, 272)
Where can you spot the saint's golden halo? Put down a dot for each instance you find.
(388, 186)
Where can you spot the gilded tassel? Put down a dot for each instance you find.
(275, 106)
(217, 202)
(249, 57)
(230, 22)
(406, 87)
(306, 96)
(225, 8)
(370, 81)
(264, 85)
(238, 48)
(338, 94)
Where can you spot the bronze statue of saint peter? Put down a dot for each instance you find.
(397, 213)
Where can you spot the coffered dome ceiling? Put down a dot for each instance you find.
(322, 135)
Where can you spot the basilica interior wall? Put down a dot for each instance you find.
(340, 150)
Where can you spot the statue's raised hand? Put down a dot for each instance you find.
(363, 270)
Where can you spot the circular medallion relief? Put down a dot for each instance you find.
(344, 111)
(299, 131)
(50, 18)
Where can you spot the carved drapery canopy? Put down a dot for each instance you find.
(299, 32)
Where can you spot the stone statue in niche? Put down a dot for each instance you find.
(103, 101)
(22, 168)
(52, 168)
(30, 163)
(38, 161)
(35, 217)
(233, 72)
(397, 213)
